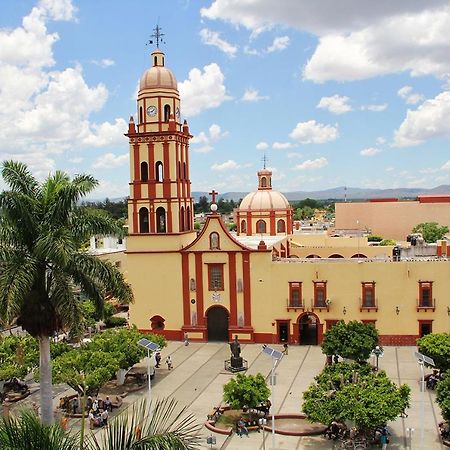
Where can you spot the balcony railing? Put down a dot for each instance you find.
(365, 306)
(295, 305)
(429, 305)
(322, 306)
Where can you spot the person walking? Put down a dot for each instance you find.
(384, 440)
(169, 362)
(186, 339)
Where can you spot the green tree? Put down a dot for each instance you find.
(374, 238)
(353, 392)
(443, 396)
(303, 213)
(353, 340)
(431, 231)
(41, 231)
(202, 206)
(387, 242)
(436, 346)
(25, 432)
(246, 390)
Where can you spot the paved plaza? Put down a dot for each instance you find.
(198, 376)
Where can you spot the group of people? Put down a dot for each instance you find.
(432, 379)
(98, 411)
(242, 427)
(158, 361)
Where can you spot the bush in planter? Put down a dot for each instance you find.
(112, 322)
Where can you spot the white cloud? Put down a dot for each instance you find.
(410, 97)
(76, 160)
(390, 169)
(312, 132)
(380, 140)
(227, 165)
(429, 120)
(110, 161)
(278, 44)
(108, 189)
(44, 111)
(252, 95)
(203, 90)
(336, 104)
(281, 145)
(213, 38)
(103, 63)
(446, 166)
(312, 164)
(375, 108)
(214, 134)
(371, 151)
(262, 146)
(293, 155)
(360, 39)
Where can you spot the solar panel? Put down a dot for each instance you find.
(272, 352)
(426, 359)
(148, 344)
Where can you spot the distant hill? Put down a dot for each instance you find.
(339, 193)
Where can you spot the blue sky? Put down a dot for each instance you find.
(352, 93)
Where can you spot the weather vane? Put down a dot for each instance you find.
(264, 159)
(157, 35)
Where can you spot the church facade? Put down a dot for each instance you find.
(254, 283)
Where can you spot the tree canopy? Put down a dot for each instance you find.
(354, 392)
(443, 396)
(436, 346)
(246, 390)
(353, 340)
(431, 231)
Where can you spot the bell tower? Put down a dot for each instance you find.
(160, 202)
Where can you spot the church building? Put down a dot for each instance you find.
(255, 283)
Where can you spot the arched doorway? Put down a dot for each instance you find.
(217, 320)
(308, 325)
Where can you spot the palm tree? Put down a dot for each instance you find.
(41, 264)
(168, 428)
(26, 432)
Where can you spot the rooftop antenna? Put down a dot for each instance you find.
(157, 36)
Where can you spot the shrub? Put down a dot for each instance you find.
(113, 321)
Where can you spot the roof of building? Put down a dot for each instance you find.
(264, 200)
(158, 76)
(253, 241)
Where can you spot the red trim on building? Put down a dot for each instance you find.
(382, 200)
(151, 170)
(166, 175)
(185, 278)
(433, 198)
(152, 218)
(135, 218)
(398, 339)
(273, 230)
(233, 289)
(169, 216)
(136, 182)
(249, 224)
(199, 288)
(211, 267)
(247, 288)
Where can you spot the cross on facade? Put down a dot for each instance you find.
(158, 35)
(213, 195)
(264, 159)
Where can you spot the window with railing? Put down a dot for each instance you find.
(295, 295)
(368, 300)
(320, 294)
(426, 300)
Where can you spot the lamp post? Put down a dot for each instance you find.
(276, 358)
(377, 351)
(410, 431)
(262, 423)
(422, 359)
(150, 347)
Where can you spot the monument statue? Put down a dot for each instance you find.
(235, 347)
(236, 358)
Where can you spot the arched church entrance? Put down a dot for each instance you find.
(308, 326)
(217, 321)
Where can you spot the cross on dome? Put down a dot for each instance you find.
(157, 35)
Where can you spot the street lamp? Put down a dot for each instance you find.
(211, 440)
(410, 431)
(150, 347)
(378, 352)
(262, 423)
(422, 360)
(276, 358)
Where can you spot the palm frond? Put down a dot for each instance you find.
(17, 276)
(27, 433)
(169, 428)
(56, 246)
(19, 178)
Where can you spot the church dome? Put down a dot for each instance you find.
(158, 76)
(264, 200)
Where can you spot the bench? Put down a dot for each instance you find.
(215, 413)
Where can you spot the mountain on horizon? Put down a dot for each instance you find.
(340, 193)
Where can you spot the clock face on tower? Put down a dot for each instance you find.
(151, 111)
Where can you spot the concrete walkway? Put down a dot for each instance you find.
(198, 376)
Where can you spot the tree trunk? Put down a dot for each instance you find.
(45, 380)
